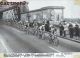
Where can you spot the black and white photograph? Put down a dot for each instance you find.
(39, 26)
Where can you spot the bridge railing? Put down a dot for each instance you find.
(13, 23)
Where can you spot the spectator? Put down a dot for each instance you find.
(47, 28)
(76, 28)
(71, 30)
(65, 29)
(61, 28)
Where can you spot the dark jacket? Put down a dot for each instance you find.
(47, 27)
(76, 30)
(61, 28)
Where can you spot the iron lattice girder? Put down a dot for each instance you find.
(6, 8)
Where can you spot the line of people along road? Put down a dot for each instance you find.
(72, 31)
(64, 29)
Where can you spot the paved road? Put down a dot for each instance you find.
(13, 40)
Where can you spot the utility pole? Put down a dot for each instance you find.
(28, 15)
(17, 13)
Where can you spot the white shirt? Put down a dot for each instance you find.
(65, 27)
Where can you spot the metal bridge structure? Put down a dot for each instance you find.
(22, 13)
(13, 11)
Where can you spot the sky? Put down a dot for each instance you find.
(71, 9)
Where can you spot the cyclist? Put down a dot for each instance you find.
(53, 36)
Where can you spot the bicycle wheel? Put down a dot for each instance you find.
(56, 42)
(40, 36)
(50, 41)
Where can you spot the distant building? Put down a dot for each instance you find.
(13, 11)
(9, 14)
(52, 13)
(73, 20)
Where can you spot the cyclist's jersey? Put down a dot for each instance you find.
(42, 28)
(55, 33)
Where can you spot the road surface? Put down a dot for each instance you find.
(14, 40)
